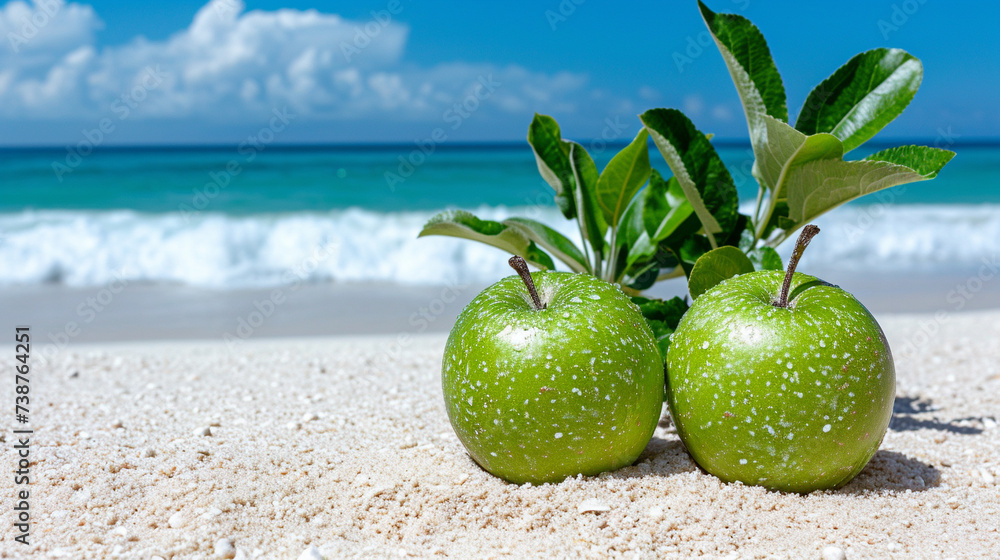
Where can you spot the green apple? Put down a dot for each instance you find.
(545, 384)
(780, 380)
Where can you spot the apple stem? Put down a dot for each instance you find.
(805, 237)
(518, 264)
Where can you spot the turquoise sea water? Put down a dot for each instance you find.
(315, 179)
(229, 217)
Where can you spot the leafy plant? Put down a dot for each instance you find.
(639, 228)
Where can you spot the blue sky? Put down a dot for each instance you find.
(193, 72)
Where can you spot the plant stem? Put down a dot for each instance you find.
(805, 237)
(756, 215)
(609, 270)
(518, 264)
(585, 244)
(772, 202)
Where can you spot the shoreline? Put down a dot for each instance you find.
(64, 316)
(340, 447)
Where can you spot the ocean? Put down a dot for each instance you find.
(225, 218)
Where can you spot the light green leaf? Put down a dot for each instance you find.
(818, 186)
(585, 176)
(715, 266)
(665, 208)
(623, 177)
(925, 161)
(784, 147)
(675, 218)
(862, 96)
(552, 157)
(465, 225)
(699, 171)
(640, 250)
(552, 241)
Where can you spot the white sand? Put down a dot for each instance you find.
(343, 445)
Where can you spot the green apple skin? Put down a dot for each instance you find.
(793, 399)
(539, 395)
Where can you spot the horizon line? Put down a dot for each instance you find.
(473, 144)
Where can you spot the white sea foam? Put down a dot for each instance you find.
(215, 250)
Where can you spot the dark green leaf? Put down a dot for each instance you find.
(862, 96)
(750, 64)
(655, 206)
(662, 317)
(623, 177)
(465, 225)
(552, 157)
(552, 241)
(700, 173)
(585, 175)
(715, 266)
(690, 250)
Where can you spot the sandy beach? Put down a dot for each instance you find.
(339, 447)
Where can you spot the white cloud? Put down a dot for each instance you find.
(722, 113)
(694, 105)
(231, 62)
(647, 93)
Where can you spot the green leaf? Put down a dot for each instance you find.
(623, 177)
(666, 209)
(925, 161)
(765, 258)
(551, 240)
(715, 266)
(465, 225)
(753, 72)
(819, 186)
(680, 219)
(585, 175)
(552, 157)
(699, 171)
(750, 64)
(786, 147)
(862, 96)
(662, 317)
(655, 205)
(690, 250)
